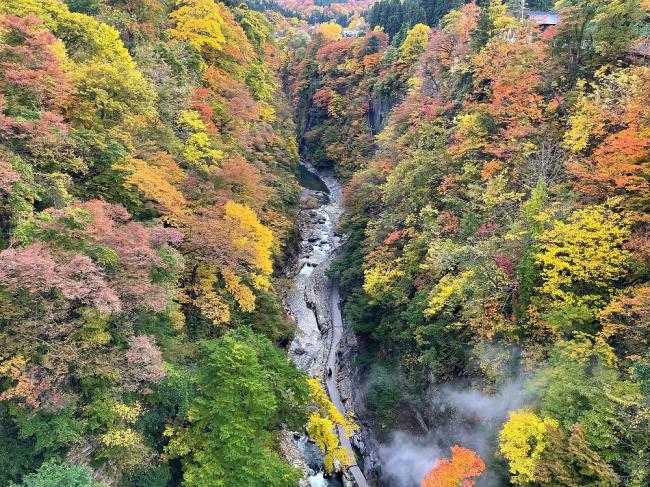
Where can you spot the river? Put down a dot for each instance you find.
(314, 302)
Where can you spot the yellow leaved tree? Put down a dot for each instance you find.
(522, 440)
(242, 293)
(210, 28)
(234, 257)
(122, 444)
(331, 31)
(583, 258)
(322, 424)
(415, 42)
(254, 236)
(199, 23)
(449, 289)
(200, 151)
(203, 294)
(156, 179)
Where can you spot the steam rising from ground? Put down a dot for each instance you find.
(472, 420)
(407, 459)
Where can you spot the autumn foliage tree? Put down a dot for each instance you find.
(461, 470)
(609, 138)
(35, 92)
(522, 441)
(323, 427)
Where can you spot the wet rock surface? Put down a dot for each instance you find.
(293, 456)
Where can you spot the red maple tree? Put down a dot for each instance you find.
(460, 471)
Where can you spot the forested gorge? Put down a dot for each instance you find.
(495, 271)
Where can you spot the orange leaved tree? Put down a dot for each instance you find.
(460, 471)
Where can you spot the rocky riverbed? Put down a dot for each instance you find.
(307, 301)
(313, 302)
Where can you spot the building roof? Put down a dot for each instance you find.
(351, 32)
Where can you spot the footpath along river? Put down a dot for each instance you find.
(314, 302)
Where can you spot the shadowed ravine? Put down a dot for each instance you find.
(314, 299)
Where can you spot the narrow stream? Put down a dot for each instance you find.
(313, 302)
(320, 210)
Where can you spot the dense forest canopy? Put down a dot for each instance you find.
(496, 170)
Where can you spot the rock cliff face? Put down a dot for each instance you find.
(378, 110)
